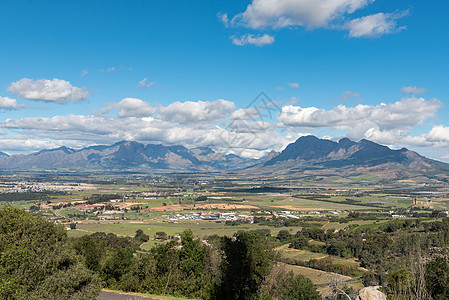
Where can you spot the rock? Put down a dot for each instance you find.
(371, 293)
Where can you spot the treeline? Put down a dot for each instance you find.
(275, 221)
(27, 196)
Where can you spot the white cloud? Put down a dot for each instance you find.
(347, 95)
(310, 13)
(374, 25)
(258, 40)
(55, 90)
(7, 103)
(402, 114)
(293, 85)
(249, 113)
(199, 111)
(330, 14)
(131, 107)
(438, 134)
(143, 84)
(223, 18)
(413, 90)
(23, 144)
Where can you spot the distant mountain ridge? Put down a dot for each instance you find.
(310, 148)
(121, 155)
(306, 153)
(310, 152)
(127, 155)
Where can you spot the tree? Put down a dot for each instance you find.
(283, 235)
(247, 261)
(161, 235)
(38, 262)
(193, 261)
(115, 265)
(437, 278)
(296, 287)
(141, 237)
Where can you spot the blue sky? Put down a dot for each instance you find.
(78, 73)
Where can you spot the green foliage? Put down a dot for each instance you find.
(247, 261)
(283, 235)
(161, 235)
(437, 278)
(115, 264)
(37, 261)
(141, 237)
(295, 287)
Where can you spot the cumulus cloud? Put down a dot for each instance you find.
(258, 40)
(23, 144)
(131, 107)
(413, 90)
(7, 103)
(330, 14)
(404, 113)
(374, 25)
(55, 90)
(249, 113)
(199, 111)
(143, 84)
(293, 85)
(438, 134)
(310, 13)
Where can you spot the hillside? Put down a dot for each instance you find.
(346, 157)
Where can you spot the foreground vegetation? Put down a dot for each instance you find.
(213, 237)
(38, 261)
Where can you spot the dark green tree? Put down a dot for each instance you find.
(38, 262)
(437, 278)
(283, 235)
(296, 287)
(141, 237)
(246, 263)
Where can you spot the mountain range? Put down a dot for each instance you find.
(347, 158)
(126, 155)
(308, 153)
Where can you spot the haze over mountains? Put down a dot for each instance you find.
(307, 153)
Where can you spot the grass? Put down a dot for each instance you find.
(323, 279)
(305, 255)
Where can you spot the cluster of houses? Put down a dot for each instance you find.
(209, 216)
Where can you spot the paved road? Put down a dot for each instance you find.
(105, 295)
